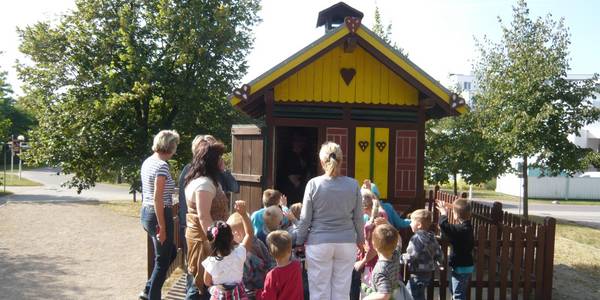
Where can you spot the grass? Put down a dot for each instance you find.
(13, 180)
(2, 193)
(123, 207)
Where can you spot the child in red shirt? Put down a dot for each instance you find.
(285, 280)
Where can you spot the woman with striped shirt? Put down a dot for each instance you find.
(157, 209)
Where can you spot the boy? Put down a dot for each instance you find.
(258, 260)
(284, 282)
(272, 220)
(461, 238)
(422, 254)
(386, 282)
(270, 197)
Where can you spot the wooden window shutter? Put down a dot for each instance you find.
(247, 163)
(406, 164)
(340, 137)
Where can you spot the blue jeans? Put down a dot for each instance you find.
(164, 253)
(460, 283)
(417, 283)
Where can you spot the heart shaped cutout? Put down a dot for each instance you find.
(347, 74)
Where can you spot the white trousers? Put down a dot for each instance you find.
(329, 268)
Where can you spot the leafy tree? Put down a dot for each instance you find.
(14, 119)
(111, 73)
(457, 146)
(385, 32)
(526, 101)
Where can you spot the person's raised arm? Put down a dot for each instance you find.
(240, 208)
(358, 217)
(159, 207)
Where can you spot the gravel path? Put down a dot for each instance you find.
(69, 250)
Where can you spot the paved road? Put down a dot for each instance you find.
(583, 214)
(53, 191)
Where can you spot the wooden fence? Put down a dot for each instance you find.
(514, 257)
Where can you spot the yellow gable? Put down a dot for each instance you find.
(322, 81)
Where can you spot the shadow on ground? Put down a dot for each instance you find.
(576, 282)
(35, 275)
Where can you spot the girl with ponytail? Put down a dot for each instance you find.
(224, 267)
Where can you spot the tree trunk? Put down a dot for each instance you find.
(525, 190)
(455, 184)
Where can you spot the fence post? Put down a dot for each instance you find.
(496, 213)
(550, 224)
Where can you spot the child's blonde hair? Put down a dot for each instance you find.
(272, 217)
(271, 197)
(423, 217)
(367, 197)
(279, 243)
(331, 157)
(235, 220)
(296, 210)
(385, 239)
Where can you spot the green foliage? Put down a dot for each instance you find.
(385, 32)
(14, 119)
(110, 74)
(526, 101)
(457, 146)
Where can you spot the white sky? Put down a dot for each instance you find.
(438, 34)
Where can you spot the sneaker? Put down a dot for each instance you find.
(143, 296)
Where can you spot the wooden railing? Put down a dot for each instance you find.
(514, 257)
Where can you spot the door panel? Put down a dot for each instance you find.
(371, 156)
(247, 162)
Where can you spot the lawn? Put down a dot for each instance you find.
(576, 262)
(124, 207)
(12, 179)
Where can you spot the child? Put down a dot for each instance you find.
(284, 281)
(366, 261)
(258, 259)
(461, 238)
(272, 220)
(224, 268)
(386, 283)
(270, 197)
(422, 254)
(393, 216)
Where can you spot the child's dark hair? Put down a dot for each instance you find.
(221, 239)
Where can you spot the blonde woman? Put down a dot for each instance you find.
(157, 212)
(331, 226)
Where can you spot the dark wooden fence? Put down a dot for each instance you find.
(179, 259)
(514, 257)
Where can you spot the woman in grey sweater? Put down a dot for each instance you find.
(331, 225)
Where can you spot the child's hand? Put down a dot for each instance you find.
(240, 207)
(359, 265)
(283, 200)
(441, 207)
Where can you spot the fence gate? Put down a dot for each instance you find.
(247, 147)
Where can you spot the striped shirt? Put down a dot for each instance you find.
(151, 168)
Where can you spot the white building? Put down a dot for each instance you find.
(581, 186)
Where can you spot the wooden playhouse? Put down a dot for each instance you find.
(350, 87)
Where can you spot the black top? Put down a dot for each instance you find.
(461, 238)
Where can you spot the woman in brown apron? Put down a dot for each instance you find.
(206, 203)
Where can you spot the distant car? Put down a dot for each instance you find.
(590, 175)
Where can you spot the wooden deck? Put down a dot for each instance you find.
(177, 291)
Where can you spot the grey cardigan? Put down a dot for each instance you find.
(331, 212)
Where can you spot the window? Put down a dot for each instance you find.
(466, 86)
